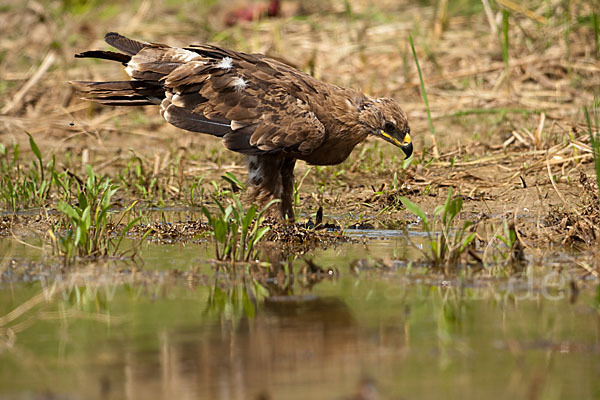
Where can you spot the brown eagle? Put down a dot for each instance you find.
(261, 107)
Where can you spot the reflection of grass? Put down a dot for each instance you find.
(237, 299)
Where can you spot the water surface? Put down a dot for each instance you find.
(371, 328)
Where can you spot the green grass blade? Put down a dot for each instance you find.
(596, 24)
(413, 208)
(34, 147)
(233, 180)
(423, 92)
(595, 144)
(505, 42)
(38, 154)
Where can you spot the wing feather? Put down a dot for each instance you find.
(185, 119)
(213, 90)
(254, 93)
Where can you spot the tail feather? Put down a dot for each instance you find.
(121, 93)
(126, 45)
(105, 55)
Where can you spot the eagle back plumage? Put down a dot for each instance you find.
(207, 88)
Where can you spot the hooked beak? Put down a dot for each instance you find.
(406, 144)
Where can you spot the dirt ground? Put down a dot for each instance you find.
(510, 134)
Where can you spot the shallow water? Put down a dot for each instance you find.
(370, 329)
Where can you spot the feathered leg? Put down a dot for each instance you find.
(287, 183)
(266, 182)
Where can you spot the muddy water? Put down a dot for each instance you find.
(386, 330)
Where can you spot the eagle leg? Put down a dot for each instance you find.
(287, 182)
(270, 177)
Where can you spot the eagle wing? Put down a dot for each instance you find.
(256, 104)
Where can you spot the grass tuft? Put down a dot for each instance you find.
(448, 239)
(22, 187)
(235, 230)
(86, 224)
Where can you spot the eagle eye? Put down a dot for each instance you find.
(389, 127)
